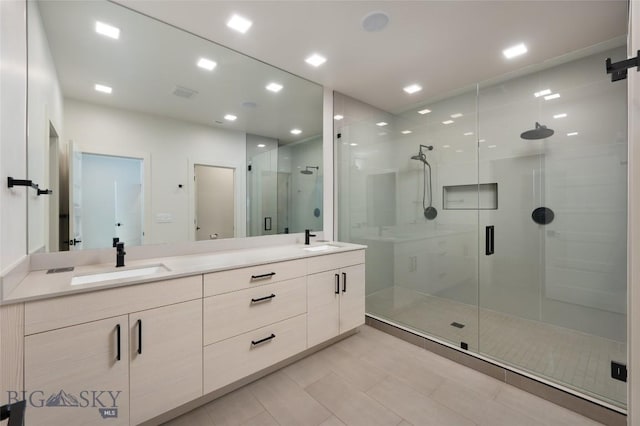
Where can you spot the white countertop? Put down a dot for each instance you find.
(40, 285)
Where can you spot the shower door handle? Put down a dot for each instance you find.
(488, 240)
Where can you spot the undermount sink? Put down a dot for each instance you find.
(120, 274)
(324, 247)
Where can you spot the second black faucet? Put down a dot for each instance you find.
(307, 234)
(119, 251)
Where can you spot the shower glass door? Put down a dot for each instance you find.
(552, 277)
(408, 189)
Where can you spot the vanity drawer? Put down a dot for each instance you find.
(235, 358)
(227, 315)
(238, 279)
(335, 261)
(49, 314)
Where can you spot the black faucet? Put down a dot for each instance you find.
(119, 251)
(307, 234)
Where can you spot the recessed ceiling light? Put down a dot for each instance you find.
(239, 23)
(316, 60)
(544, 92)
(572, 134)
(554, 96)
(296, 131)
(424, 111)
(446, 146)
(102, 88)
(381, 123)
(563, 115)
(413, 88)
(492, 146)
(261, 145)
(458, 150)
(338, 117)
(382, 134)
(447, 122)
(230, 117)
(456, 115)
(274, 87)
(468, 134)
(206, 64)
(107, 30)
(405, 132)
(375, 21)
(513, 51)
(482, 140)
(353, 144)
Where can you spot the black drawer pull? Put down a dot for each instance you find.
(118, 344)
(337, 283)
(263, 276)
(266, 339)
(344, 282)
(263, 299)
(139, 336)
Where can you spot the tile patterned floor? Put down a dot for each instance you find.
(371, 379)
(575, 359)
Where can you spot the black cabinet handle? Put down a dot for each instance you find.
(139, 336)
(344, 282)
(488, 240)
(266, 339)
(263, 276)
(337, 284)
(263, 299)
(118, 343)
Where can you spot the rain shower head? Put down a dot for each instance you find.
(306, 170)
(540, 132)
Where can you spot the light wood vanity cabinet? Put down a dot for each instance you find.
(335, 295)
(71, 366)
(108, 364)
(146, 349)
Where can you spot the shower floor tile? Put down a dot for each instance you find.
(572, 358)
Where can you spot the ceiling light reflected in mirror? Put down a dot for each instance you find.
(515, 51)
(424, 111)
(412, 88)
(206, 64)
(102, 88)
(239, 24)
(274, 87)
(316, 60)
(107, 30)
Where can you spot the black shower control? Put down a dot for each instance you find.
(464, 345)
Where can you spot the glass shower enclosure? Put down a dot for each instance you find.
(495, 219)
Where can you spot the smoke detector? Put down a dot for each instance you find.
(375, 21)
(184, 92)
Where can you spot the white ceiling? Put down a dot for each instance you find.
(441, 45)
(150, 59)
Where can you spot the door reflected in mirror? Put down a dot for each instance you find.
(143, 96)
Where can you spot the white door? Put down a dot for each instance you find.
(215, 202)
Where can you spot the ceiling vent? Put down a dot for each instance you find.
(184, 92)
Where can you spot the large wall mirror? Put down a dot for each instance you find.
(153, 135)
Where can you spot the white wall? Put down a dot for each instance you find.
(173, 147)
(13, 86)
(45, 103)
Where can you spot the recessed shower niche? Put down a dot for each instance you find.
(482, 196)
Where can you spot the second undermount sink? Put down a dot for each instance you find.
(119, 274)
(324, 247)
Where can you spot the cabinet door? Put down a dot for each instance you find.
(323, 307)
(74, 377)
(351, 297)
(166, 358)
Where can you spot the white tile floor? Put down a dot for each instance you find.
(373, 378)
(578, 360)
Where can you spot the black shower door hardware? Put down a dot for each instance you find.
(619, 69)
(11, 182)
(267, 223)
(488, 240)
